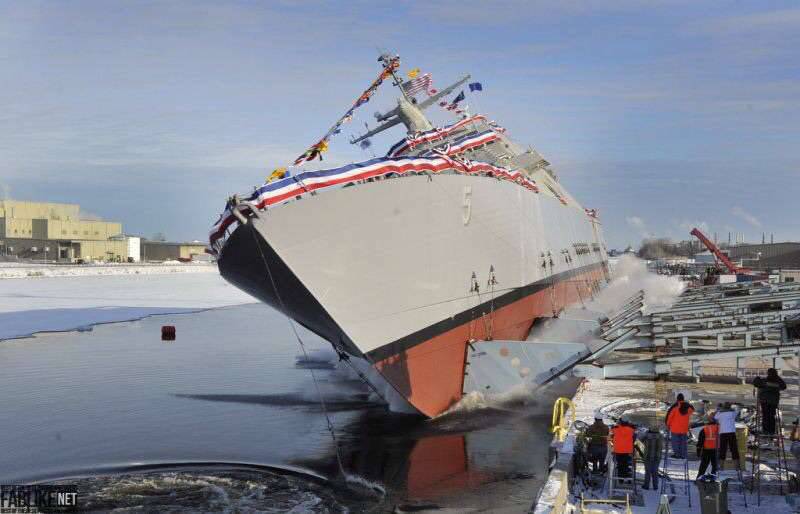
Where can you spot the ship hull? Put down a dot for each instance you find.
(383, 270)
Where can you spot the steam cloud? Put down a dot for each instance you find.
(631, 275)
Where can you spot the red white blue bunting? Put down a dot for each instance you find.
(283, 190)
(468, 143)
(430, 136)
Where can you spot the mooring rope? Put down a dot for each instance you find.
(302, 347)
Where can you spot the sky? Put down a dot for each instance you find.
(663, 115)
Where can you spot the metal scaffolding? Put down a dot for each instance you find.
(728, 321)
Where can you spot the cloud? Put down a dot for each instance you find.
(746, 216)
(639, 225)
(635, 222)
(181, 104)
(703, 226)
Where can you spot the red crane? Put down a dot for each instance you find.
(721, 257)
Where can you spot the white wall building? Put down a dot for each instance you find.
(134, 248)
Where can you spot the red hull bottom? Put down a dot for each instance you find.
(431, 374)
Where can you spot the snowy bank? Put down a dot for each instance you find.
(72, 302)
(29, 270)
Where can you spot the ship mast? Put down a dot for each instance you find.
(386, 60)
(408, 111)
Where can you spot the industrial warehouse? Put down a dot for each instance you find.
(56, 232)
(705, 259)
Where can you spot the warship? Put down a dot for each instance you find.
(405, 262)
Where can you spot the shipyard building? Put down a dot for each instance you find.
(56, 232)
(168, 251)
(767, 256)
(782, 259)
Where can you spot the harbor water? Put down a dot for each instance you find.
(223, 418)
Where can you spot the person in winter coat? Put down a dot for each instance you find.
(707, 445)
(622, 437)
(726, 417)
(653, 443)
(769, 396)
(597, 438)
(795, 447)
(678, 417)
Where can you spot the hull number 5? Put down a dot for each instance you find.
(467, 205)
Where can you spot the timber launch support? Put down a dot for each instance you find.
(728, 321)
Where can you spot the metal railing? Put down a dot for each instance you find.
(730, 371)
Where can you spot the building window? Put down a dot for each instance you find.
(63, 232)
(96, 233)
(74, 232)
(788, 279)
(85, 232)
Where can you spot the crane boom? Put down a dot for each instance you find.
(717, 253)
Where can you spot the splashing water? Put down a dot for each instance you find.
(577, 324)
(472, 401)
(317, 358)
(534, 397)
(522, 393)
(362, 485)
(220, 491)
(631, 275)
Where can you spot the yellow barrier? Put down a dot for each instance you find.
(584, 506)
(559, 425)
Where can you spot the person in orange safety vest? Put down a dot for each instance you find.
(678, 417)
(622, 437)
(707, 445)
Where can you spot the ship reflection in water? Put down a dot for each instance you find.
(211, 421)
(487, 457)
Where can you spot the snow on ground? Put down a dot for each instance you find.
(33, 270)
(595, 394)
(67, 303)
